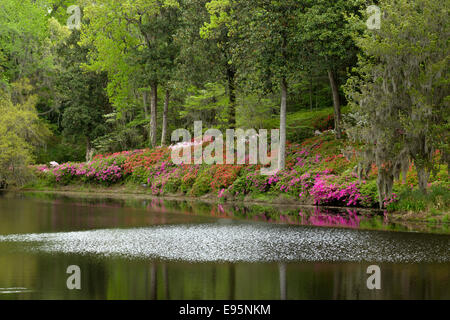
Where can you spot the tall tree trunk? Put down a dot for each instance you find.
(231, 75)
(145, 103)
(153, 111)
(88, 150)
(315, 98)
(385, 183)
(310, 93)
(423, 175)
(282, 151)
(336, 104)
(164, 123)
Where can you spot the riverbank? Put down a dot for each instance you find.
(124, 193)
(285, 213)
(284, 203)
(321, 171)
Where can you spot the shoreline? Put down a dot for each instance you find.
(122, 193)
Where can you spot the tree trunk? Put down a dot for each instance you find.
(282, 151)
(231, 75)
(385, 183)
(89, 152)
(423, 175)
(310, 94)
(336, 104)
(144, 101)
(315, 98)
(153, 111)
(164, 123)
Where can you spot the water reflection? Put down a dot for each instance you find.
(26, 274)
(282, 272)
(92, 212)
(138, 279)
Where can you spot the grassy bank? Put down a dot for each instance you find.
(319, 171)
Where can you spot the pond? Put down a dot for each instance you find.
(146, 248)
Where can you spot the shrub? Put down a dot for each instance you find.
(240, 186)
(224, 176)
(190, 173)
(326, 191)
(172, 185)
(201, 186)
(369, 191)
(414, 200)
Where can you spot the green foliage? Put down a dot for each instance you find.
(256, 112)
(23, 30)
(61, 150)
(83, 93)
(140, 175)
(228, 63)
(399, 95)
(326, 35)
(20, 131)
(240, 186)
(413, 200)
(370, 190)
(446, 218)
(130, 37)
(201, 185)
(208, 105)
(172, 185)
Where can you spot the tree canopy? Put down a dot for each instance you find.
(135, 70)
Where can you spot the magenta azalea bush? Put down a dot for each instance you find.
(99, 171)
(325, 191)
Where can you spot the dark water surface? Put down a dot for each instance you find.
(160, 249)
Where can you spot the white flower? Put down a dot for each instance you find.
(54, 164)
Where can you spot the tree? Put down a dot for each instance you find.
(326, 35)
(83, 95)
(265, 49)
(207, 105)
(218, 30)
(20, 132)
(23, 30)
(133, 43)
(399, 94)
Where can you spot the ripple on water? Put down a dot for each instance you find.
(245, 242)
(14, 290)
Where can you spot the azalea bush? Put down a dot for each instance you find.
(223, 176)
(326, 191)
(251, 182)
(100, 171)
(190, 174)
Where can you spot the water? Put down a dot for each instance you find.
(153, 249)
